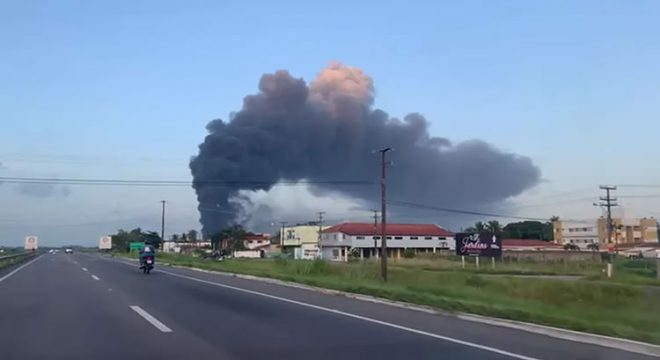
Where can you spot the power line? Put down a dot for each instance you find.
(466, 212)
(133, 182)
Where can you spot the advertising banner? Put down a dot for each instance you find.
(480, 244)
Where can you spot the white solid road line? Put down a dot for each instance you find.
(95, 277)
(152, 320)
(354, 316)
(84, 269)
(17, 269)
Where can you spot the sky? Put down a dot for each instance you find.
(124, 90)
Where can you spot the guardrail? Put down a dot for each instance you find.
(7, 257)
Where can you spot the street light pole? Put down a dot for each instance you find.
(383, 215)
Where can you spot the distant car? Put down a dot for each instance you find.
(68, 250)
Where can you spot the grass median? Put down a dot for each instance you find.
(614, 309)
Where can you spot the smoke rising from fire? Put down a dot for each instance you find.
(326, 133)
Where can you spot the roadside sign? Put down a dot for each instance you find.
(31, 243)
(136, 246)
(478, 244)
(105, 243)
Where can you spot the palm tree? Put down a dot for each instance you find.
(479, 226)
(494, 226)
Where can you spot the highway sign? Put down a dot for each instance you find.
(136, 246)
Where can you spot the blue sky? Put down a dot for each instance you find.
(124, 89)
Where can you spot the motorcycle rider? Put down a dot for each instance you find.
(147, 250)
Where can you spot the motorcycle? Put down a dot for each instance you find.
(148, 265)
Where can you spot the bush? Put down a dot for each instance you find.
(409, 253)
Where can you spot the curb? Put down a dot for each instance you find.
(559, 333)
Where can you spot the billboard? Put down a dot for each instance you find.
(105, 243)
(31, 242)
(480, 244)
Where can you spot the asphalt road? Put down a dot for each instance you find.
(84, 306)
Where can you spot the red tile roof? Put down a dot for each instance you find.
(392, 229)
(529, 243)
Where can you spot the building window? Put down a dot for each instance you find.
(335, 236)
(428, 238)
(389, 238)
(398, 238)
(360, 237)
(413, 238)
(335, 253)
(376, 237)
(441, 238)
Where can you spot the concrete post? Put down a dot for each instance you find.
(361, 254)
(463, 262)
(434, 249)
(477, 262)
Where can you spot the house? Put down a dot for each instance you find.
(256, 241)
(363, 240)
(185, 247)
(530, 245)
(302, 240)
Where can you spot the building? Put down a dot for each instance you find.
(625, 230)
(298, 235)
(185, 247)
(629, 230)
(301, 240)
(256, 241)
(530, 245)
(363, 240)
(583, 234)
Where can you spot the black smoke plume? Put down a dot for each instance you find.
(328, 131)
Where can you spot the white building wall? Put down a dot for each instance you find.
(580, 234)
(403, 242)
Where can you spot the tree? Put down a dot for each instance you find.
(184, 237)
(494, 226)
(554, 218)
(175, 237)
(123, 238)
(230, 238)
(528, 230)
(192, 235)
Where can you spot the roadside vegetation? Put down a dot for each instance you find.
(13, 258)
(590, 304)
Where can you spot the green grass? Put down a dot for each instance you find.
(431, 263)
(14, 260)
(601, 307)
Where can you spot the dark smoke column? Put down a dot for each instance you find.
(327, 131)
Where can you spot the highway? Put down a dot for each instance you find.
(86, 306)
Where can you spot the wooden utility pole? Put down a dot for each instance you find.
(383, 213)
(375, 232)
(608, 202)
(321, 213)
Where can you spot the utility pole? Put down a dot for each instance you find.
(282, 233)
(383, 213)
(162, 224)
(321, 213)
(375, 217)
(608, 202)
